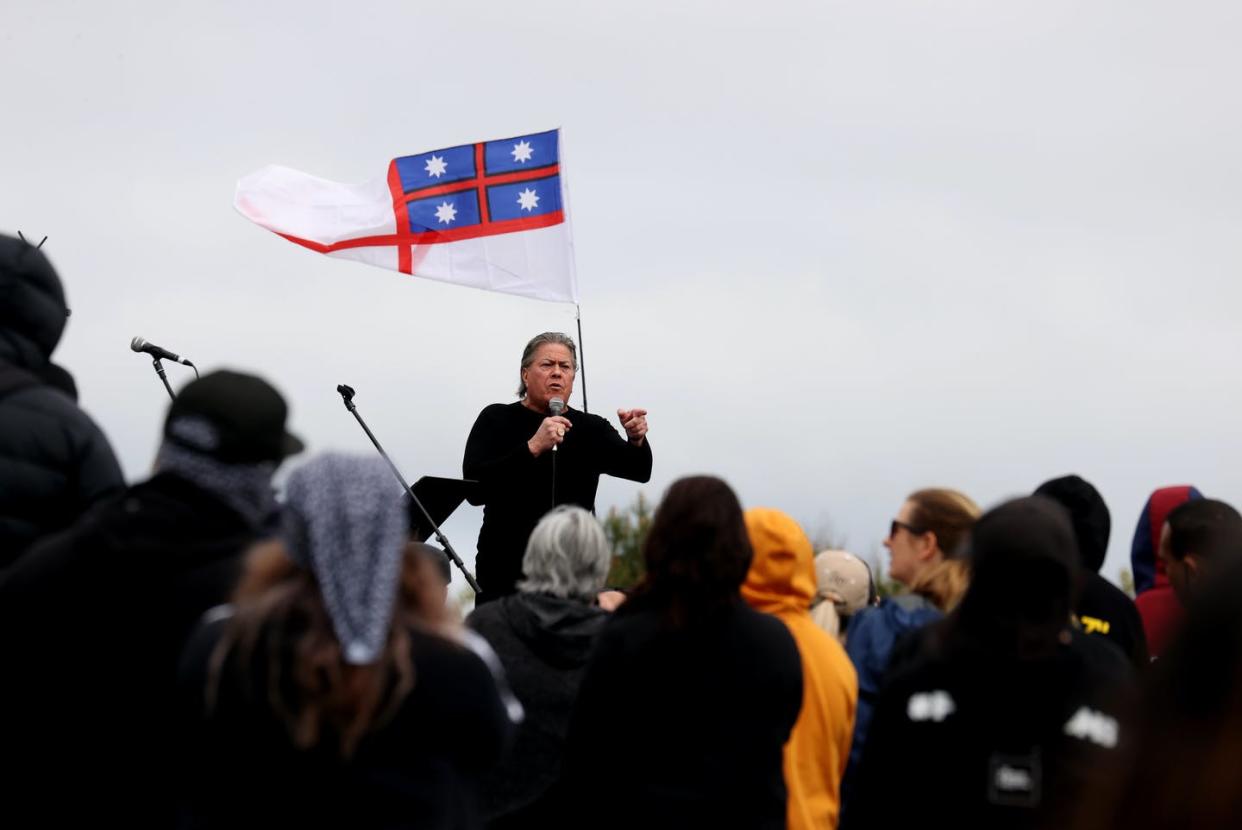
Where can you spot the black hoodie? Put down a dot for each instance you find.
(1103, 609)
(543, 642)
(92, 621)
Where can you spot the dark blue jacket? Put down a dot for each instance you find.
(872, 634)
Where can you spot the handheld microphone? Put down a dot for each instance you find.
(556, 406)
(140, 345)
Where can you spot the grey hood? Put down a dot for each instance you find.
(559, 631)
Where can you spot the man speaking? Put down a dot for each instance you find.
(533, 454)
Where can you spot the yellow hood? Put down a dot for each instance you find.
(781, 582)
(782, 572)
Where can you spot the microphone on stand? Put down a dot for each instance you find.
(556, 406)
(138, 344)
(157, 354)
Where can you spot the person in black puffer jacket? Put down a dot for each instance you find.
(54, 461)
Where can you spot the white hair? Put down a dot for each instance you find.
(567, 555)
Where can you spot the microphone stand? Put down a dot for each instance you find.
(159, 370)
(347, 395)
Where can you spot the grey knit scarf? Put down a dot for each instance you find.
(346, 520)
(246, 488)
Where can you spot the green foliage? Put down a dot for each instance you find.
(463, 599)
(886, 586)
(626, 530)
(826, 537)
(1127, 582)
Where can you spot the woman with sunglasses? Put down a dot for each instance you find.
(924, 544)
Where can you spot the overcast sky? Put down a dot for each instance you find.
(840, 251)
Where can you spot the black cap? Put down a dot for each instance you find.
(233, 417)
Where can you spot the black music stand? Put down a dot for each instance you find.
(440, 497)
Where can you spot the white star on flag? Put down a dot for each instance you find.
(436, 166)
(522, 152)
(446, 213)
(528, 199)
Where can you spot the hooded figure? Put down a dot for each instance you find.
(782, 582)
(1103, 609)
(1157, 603)
(54, 461)
(137, 571)
(1005, 715)
(543, 636)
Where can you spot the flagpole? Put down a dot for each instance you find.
(581, 357)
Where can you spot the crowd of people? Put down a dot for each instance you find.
(191, 651)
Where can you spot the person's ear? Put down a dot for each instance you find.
(928, 545)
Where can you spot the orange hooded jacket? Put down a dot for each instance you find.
(781, 582)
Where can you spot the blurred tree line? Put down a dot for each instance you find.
(825, 537)
(627, 528)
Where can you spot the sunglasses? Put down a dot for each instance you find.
(896, 525)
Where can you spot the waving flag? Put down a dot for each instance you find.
(490, 215)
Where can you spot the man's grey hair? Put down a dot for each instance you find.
(528, 355)
(567, 555)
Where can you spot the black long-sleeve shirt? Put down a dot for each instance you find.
(516, 488)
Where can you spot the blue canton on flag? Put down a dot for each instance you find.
(477, 185)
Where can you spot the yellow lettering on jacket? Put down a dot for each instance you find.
(1094, 625)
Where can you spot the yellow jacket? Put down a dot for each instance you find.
(781, 582)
